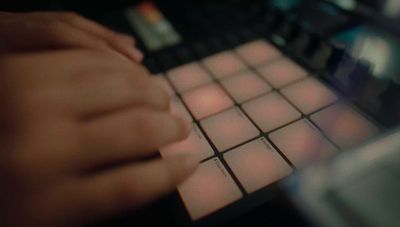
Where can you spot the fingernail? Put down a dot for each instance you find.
(131, 52)
(134, 53)
(190, 162)
(137, 54)
(126, 38)
(188, 125)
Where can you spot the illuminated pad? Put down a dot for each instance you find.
(177, 108)
(309, 95)
(229, 128)
(224, 64)
(245, 86)
(344, 126)
(209, 189)
(164, 84)
(258, 52)
(270, 111)
(257, 164)
(188, 76)
(207, 100)
(195, 145)
(281, 72)
(301, 143)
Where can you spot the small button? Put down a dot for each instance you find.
(344, 126)
(319, 59)
(270, 111)
(232, 39)
(207, 100)
(229, 128)
(258, 52)
(165, 60)
(302, 144)
(188, 76)
(257, 164)
(184, 55)
(309, 95)
(209, 189)
(246, 33)
(195, 144)
(224, 64)
(201, 49)
(282, 72)
(245, 85)
(300, 44)
(164, 84)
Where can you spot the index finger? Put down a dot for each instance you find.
(121, 43)
(133, 186)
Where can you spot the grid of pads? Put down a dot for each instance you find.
(258, 115)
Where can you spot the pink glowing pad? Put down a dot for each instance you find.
(188, 76)
(270, 111)
(245, 86)
(224, 64)
(281, 72)
(207, 100)
(257, 164)
(344, 126)
(209, 189)
(302, 144)
(258, 52)
(309, 95)
(163, 83)
(229, 128)
(196, 145)
(177, 108)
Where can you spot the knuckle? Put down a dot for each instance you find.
(130, 189)
(70, 16)
(181, 131)
(57, 27)
(144, 126)
(161, 98)
(99, 43)
(141, 70)
(18, 167)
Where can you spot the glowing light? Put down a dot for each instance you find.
(224, 64)
(229, 128)
(245, 86)
(344, 126)
(309, 95)
(258, 52)
(281, 72)
(301, 143)
(257, 164)
(207, 100)
(188, 76)
(270, 111)
(210, 188)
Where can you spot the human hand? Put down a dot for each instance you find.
(49, 30)
(76, 125)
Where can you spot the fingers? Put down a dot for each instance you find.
(89, 83)
(100, 94)
(131, 187)
(121, 43)
(128, 135)
(62, 30)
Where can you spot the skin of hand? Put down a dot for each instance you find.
(38, 31)
(76, 126)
